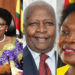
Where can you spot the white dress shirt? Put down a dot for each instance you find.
(50, 61)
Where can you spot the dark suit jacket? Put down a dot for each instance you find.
(29, 66)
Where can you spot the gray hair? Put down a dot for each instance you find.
(28, 10)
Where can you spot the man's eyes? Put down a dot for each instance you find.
(45, 23)
(64, 32)
(49, 23)
(34, 23)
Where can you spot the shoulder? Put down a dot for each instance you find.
(20, 40)
(25, 51)
(13, 43)
(62, 70)
(14, 39)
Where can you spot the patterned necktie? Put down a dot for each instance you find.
(43, 67)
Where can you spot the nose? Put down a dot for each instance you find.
(71, 37)
(41, 28)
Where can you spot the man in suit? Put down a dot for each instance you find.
(40, 32)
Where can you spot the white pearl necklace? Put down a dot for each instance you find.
(3, 39)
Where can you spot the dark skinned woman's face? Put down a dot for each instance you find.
(67, 40)
(3, 27)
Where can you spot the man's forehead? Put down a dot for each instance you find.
(41, 9)
(42, 6)
(36, 5)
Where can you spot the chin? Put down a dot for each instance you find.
(42, 50)
(70, 62)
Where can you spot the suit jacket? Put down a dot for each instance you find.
(29, 66)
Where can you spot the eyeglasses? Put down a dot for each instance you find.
(2, 25)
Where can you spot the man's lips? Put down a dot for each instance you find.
(68, 50)
(41, 39)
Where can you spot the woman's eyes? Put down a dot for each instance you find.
(64, 32)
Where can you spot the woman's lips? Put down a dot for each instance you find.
(68, 50)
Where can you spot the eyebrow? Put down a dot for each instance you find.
(2, 24)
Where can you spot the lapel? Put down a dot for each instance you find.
(29, 67)
(55, 60)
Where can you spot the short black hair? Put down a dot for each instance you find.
(6, 15)
(68, 10)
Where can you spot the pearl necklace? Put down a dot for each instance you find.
(3, 39)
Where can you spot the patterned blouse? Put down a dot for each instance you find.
(11, 53)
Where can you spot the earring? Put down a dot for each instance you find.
(6, 30)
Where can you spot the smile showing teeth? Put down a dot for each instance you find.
(67, 50)
(41, 39)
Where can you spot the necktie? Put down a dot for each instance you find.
(43, 67)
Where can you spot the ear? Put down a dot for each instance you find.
(6, 27)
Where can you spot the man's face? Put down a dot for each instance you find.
(40, 30)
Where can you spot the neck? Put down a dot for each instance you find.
(71, 71)
(2, 39)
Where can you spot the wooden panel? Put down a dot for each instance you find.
(10, 5)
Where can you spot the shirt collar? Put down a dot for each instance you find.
(51, 53)
(35, 54)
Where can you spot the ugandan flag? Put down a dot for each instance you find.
(68, 2)
(19, 18)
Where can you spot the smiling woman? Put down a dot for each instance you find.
(10, 46)
(67, 41)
